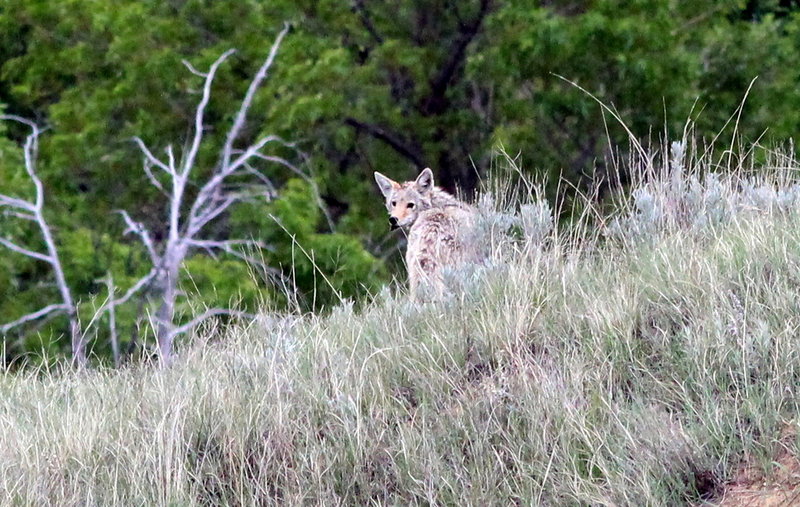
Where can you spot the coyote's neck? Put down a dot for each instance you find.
(440, 199)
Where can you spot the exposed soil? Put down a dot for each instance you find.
(751, 488)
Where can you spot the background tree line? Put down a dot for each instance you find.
(358, 86)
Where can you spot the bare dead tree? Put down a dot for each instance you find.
(33, 211)
(188, 218)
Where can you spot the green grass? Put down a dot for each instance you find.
(587, 369)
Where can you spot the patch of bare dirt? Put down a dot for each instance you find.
(752, 488)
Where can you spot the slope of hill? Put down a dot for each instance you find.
(635, 359)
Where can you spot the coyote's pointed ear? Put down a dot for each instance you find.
(425, 180)
(385, 184)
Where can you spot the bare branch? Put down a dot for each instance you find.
(24, 251)
(176, 201)
(266, 182)
(152, 158)
(192, 69)
(228, 247)
(150, 176)
(59, 307)
(213, 312)
(199, 113)
(30, 151)
(20, 215)
(203, 217)
(13, 202)
(112, 320)
(280, 161)
(135, 288)
(20, 119)
(197, 216)
(241, 116)
(170, 157)
(230, 169)
(111, 304)
(140, 230)
(306, 177)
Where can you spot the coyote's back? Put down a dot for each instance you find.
(440, 229)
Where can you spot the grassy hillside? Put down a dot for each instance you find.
(631, 359)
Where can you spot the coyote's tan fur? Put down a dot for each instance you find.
(440, 227)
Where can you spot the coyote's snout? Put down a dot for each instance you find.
(439, 228)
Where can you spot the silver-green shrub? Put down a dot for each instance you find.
(688, 196)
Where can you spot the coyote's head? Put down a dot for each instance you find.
(406, 200)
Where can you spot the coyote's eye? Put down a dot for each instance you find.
(410, 205)
(394, 203)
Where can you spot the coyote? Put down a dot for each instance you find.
(440, 227)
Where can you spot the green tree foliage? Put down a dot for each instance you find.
(359, 86)
(655, 63)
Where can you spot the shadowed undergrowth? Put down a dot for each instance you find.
(633, 362)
